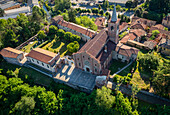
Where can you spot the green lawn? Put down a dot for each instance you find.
(27, 48)
(116, 66)
(137, 79)
(39, 78)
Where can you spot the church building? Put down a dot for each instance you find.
(96, 55)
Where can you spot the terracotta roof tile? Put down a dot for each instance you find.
(10, 52)
(159, 26)
(126, 50)
(77, 28)
(42, 55)
(138, 32)
(100, 21)
(127, 37)
(95, 45)
(122, 26)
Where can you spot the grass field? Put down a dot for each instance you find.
(27, 48)
(39, 78)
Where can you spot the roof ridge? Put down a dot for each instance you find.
(95, 40)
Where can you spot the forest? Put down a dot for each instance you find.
(18, 97)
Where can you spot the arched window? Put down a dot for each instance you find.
(112, 27)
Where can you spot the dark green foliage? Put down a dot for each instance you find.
(101, 12)
(1, 12)
(105, 4)
(161, 79)
(41, 35)
(62, 4)
(149, 62)
(72, 15)
(129, 4)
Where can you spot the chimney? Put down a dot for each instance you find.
(105, 48)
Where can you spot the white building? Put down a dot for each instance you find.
(8, 5)
(17, 11)
(44, 59)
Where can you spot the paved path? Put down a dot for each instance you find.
(74, 76)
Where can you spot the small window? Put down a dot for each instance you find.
(77, 58)
(32, 60)
(83, 56)
(95, 70)
(47, 66)
(88, 58)
(95, 65)
(79, 64)
(37, 62)
(42, 64)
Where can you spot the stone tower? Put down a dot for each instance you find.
(113, 27)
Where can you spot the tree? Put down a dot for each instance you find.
(99, 7)
(135, 90)
(60, 33)
(129, 4)
(105, 4)
(10, 38)
(107, 14)
(72, 15)
(155, 32)
(73, 47)
(24, 106)
(161, 79)
(138, 12)
(1, 12)
(41, 35)
(52, 30)
(101, 12)
(149, 62)
(135, 3)
(68, 36)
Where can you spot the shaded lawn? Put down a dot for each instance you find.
(27, 48)
(116, 66)
(39, 78)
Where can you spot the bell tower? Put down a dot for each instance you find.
(113, 27)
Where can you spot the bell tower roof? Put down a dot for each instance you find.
(114, 16)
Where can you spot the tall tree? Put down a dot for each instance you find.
(72, 15)
(1, 12)
(129, 4)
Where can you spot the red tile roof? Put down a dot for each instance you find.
(126, 50)
(159, 26)
(100, 21)
(10, 52)
(130, 36)
(77, 28)
(122, 26)
(138, 26)
(42, 55)
(94, 45)
(138, 32)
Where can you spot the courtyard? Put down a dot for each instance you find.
(76, 77)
